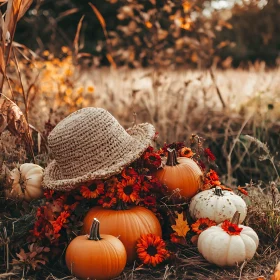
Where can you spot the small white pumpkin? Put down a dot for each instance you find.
(26, 182)
(218, 205)
(224, 245)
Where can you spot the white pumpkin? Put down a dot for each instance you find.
(224, 249)
(26, 182)
(217, 205)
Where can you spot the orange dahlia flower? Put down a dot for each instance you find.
(186, 152)
(151, 249)
(128, 190)
(202, 224)
(93, 190)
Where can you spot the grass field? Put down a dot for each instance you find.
(221, 106)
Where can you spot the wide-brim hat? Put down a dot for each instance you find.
(90, 144)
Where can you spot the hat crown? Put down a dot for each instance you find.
(88, 140)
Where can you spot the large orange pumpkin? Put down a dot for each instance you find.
(128, 224)
(96, 256)
(180, 173)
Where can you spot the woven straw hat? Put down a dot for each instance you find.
(90, 144)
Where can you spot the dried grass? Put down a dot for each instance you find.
(178, 103)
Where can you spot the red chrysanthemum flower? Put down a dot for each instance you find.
(175, 238)
(151, 249)
(68, 201)
(39, 228)
(186, 152)
(129, 172)
(128, 190)
(112, 182)
(107, 201)
(152, 160)
(58, 223)
(93, 190)
(150, 200)
(201, 165)
(48, 194)
(212, 175)
(146, 184)
(230, 228)
(242, 190)
(209, 154)
(202, 224)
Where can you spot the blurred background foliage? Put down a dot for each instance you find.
(192, 33)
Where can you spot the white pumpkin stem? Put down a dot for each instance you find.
(171, 157)
(236, 218)
(218, 191)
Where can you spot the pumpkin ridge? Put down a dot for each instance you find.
(116, 253)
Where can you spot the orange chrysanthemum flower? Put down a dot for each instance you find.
(151, 249)
(211, 180)
(93, 190)
(202, 224)
(186, 152)
(230, 228)
(242, 190)
(128, 190)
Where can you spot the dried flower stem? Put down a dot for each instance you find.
(22, 87)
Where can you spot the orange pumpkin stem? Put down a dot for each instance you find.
(94, 231)
(171, 157)
(236, 218)
(218, 191)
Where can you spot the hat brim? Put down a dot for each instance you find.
(142, 136)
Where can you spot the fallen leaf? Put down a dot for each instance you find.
(181, 226)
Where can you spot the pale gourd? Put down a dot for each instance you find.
(27, 182)
(226, 246)
(218, 205)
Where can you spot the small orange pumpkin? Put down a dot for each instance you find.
(96, 256)
(180, 173)
(128, 224)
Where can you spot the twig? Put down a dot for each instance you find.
(236, 139)
(217, 88)
(241, 269)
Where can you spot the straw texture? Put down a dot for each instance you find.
(90, 144)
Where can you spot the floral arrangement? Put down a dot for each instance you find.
(59, 218)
